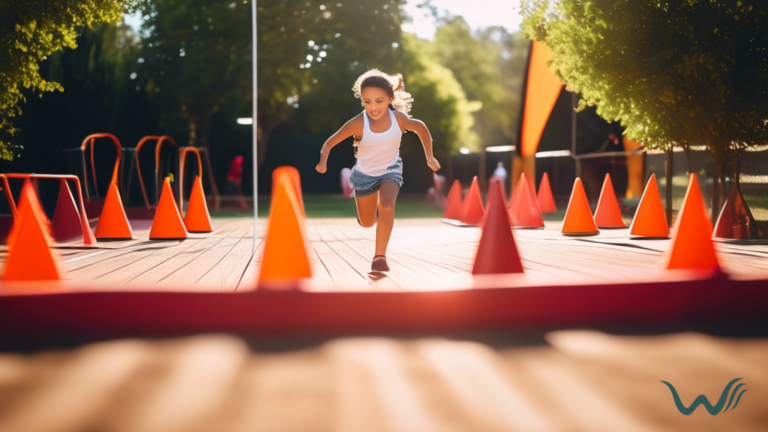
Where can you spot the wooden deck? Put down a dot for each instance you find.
(571, 381)
(423, 254)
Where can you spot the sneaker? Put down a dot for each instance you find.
(379, 264)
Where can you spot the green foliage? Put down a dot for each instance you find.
(198, 58)
(439, 99)
(32, 30)
(489, 67)
(673, 72)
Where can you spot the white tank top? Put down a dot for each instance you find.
(378, 151)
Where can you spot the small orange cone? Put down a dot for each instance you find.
(692, 247)
(453, 206)
(525, 211)
(294, 181)
(197, 219)
(113, 223)
(66, 220)
(608, 214)
(285, 255)
(167, 224)
(31, 258)
(546, 200)
(497, 252)
(578, 217)
(472, 210)
(736, 220)
(515, 197)
(650, 219)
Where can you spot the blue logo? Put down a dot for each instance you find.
(702, 400)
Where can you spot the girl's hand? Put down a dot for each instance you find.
(321, 168)
(433, 163)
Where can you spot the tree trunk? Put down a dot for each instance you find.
(670, 171)
(687, 150)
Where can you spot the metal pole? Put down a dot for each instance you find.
(255, 127)
(573, 136)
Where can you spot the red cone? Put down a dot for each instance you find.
(545, 198)
(472, 210)
(453, 209)
(497, 252)
(735, 220)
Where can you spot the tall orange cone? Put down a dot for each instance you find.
(497, 252)
(294, 181)
(692, 246)
(285, 255)
(650, 219)
(578, 217)
(472, 210)
(167, 224)
(197, 219)
(608, 214)
(66, 220)
(113, 223)
(453, 207)
(545, 198)
(736, 220)
(31, 258)
(525, 211)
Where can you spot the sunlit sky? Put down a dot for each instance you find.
(477, 13)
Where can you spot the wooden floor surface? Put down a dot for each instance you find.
(576, 381)
(423, 254)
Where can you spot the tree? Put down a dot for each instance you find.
(198, 56)
(439, 99)
(32, 30)
(673, 72)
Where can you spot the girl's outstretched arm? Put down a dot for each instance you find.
(421, 130)
(352, 127)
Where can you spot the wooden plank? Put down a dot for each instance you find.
(174, 264)
(226, 274)
(249, 279)
(380, 281)
(343, 275)
(200, 265)
(123, 269)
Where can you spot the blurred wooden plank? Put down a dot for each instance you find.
(226, 274)
(175, 263)
(191, 273)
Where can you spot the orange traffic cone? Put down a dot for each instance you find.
(66, 220)
(736, 220)
(608, 214)
(34, 206)
(472, 210)
(30, 258)
(578, 217)
(545, 198)
(515, 197)
(525, 211)
(650, 219)
(197, 219)
(294, 181)
(497, 252)
(692, 246)
(285, 255)
(453, 207)
(167, 224)
(113, 223)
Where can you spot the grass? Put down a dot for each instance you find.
(330, 206)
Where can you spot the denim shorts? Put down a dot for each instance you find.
(365, 185)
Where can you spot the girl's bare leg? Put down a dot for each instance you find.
(366, 209)
(387, 197)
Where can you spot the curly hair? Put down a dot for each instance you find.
(392, 84)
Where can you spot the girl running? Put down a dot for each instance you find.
(378, 174)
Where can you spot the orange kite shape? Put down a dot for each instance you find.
(541, 92)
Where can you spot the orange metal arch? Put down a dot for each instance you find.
(158, 147)
(182, 158)
(92, 139)
(88, 238)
